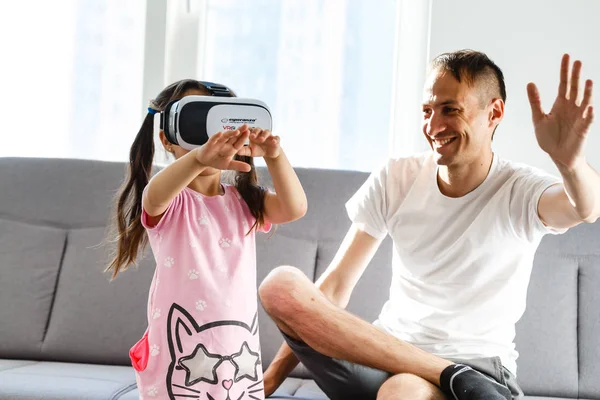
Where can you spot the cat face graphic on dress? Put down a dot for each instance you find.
(215, 361)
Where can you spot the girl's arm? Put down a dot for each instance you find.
(169, 182)
(218, 153)
(288, 203)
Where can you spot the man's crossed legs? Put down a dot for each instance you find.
(348, 356)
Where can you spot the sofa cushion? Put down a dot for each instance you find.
(273, 251)
(292, 388)
(95, 320)
(589, 325)
(547, 333)
(63, 381)
(30, 258)
(299, 389)
(548, 398)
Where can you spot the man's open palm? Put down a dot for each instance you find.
(562, 132)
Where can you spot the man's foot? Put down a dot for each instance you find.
(461, 382)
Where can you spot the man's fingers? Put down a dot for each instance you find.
(575, 74)
(589, 118)
(564, 76)
(587, 94)
(534, 101)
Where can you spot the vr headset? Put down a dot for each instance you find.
(190, 121)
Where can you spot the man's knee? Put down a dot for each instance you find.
(280, 292)
(409, 386)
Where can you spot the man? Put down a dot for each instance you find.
(465, 225)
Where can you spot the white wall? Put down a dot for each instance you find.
(526, 38)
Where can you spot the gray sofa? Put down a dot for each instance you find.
(65, 330)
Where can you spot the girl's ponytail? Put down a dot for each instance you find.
(131, 234)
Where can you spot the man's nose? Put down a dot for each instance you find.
(435, 125)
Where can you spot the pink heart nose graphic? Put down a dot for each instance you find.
(228, 384)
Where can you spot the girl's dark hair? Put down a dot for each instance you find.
(130, 234)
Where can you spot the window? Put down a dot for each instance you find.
(325, 68)
(74, 86)
(83, 71)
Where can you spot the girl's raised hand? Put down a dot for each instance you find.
(262, 144)
(220, 149)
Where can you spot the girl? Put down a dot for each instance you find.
(202, 337)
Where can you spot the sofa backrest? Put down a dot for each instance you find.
(58, 305)
(53, 221)
(558, 337)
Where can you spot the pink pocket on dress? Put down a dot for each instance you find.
(139, 354)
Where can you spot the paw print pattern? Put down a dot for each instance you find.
(228, 303)
(152, 392)
(169, 262)
(193, 274)
(154, 350)
(193, 244)
(200, 305)
(156, 313)
(203, 220)
(225, 243)
(156, 283)
(222, 267)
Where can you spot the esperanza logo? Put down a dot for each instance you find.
(239, 120)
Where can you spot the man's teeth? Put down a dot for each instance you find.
(441, 142)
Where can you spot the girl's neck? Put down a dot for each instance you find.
(207, 185)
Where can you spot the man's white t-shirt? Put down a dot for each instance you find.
(461, 266)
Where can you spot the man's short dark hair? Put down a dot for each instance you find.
(473, 67)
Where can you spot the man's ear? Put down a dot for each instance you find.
(497, 112)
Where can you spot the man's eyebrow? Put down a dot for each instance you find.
(443, 103)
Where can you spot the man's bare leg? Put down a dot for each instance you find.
(409, 387)
(301, 311)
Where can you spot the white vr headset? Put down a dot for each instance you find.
(190, 121)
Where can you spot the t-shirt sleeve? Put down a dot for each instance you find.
(167, 216)
(525, 196)
(367, 208)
